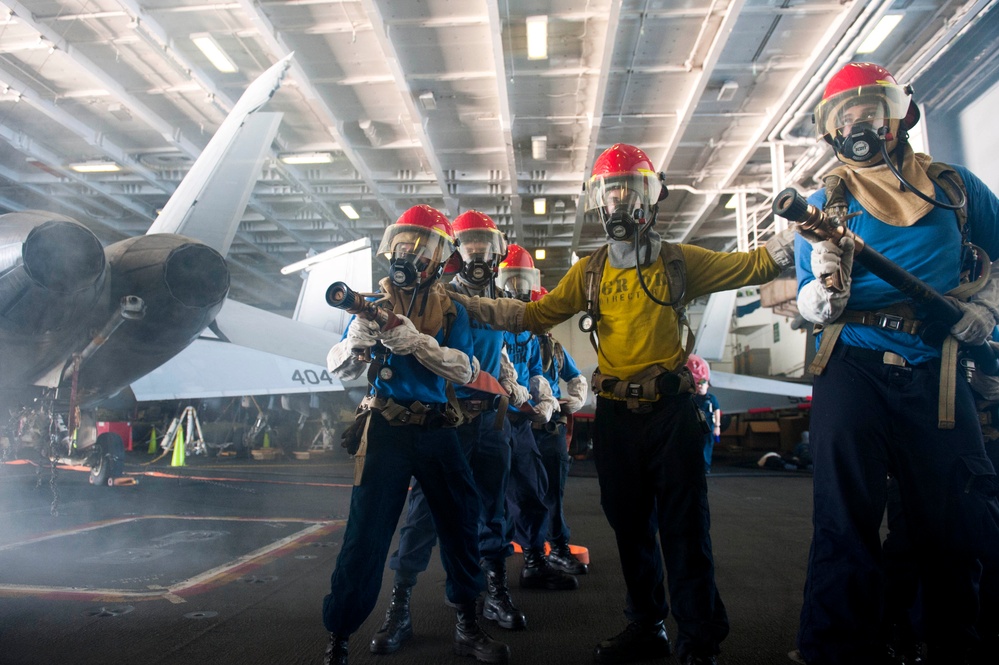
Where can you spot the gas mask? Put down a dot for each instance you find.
(623, 224)
(403, 271)
(862, 144)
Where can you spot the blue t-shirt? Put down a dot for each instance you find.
(410, 380)
(525, 354)
(488, 345)
(566, 370)
(930, 249)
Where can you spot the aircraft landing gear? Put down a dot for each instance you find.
(109, 462)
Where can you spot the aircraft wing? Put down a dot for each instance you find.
(738, 393)
(257, 329)
(212, 368)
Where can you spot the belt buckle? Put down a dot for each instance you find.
(890, 321)
(894, 359)
(404, 417)
(634, 390)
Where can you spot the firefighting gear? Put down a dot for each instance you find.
(398, 626)
(481, 246)
(624, 191)
(831, 263)
(426, 308)
(517, 276)
(545, 403)
(449, 363)
(417, 246)
(858, 101)
(575, 393)
(342, 358)
(781, 248)
(519, 394)
(876, 188)
(980, 313)
(621, 253)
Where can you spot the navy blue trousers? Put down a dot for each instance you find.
(394, 456)
(487, 450)
(868, 420)
(555, 458)
(651, 472)
(525, 495)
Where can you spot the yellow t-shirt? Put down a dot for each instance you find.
(635, 332)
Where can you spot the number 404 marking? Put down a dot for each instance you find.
(312, 377)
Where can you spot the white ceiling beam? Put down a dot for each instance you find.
(596, 113)
(505, 116)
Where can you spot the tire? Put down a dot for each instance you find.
(110, 459)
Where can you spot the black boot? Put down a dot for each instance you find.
(471, 640)
(639, 641)
(336, 650)
(397, 627)
(563, 559)
(539, 574)
(498, 605)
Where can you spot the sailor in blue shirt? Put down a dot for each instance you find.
(518, 278)
(883, 400)
(485, 441)
(410, 432)
(557, 365)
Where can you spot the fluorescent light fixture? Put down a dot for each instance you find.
(349, 211)
(727, 91)
(207, 44)
(307, 158)
(733, 202)
(539, 147)
(540, 254)
(537, 37)
(540, 206)
(427, 101)
(97, 166)
(884, 27)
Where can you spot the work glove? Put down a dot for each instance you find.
(575, 394)
(518, 394)
(342, 360)
(404, 338)
(545, 403)
(781, 248)
(362, 333)
(980, 314)
(817, 302)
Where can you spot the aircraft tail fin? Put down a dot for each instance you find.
(220, 182)
(350, 263)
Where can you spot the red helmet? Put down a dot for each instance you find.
(539, 294)
(624, 184)
(867, 86)
(417, 246)
(699, 368)
(478, 238)
(517, 274)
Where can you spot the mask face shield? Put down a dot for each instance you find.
(481, 250)
(850, 120)
(415, 253)
(519, 283)
(624, 202)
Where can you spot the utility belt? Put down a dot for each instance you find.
(552, 425)
(430, 416)
(640, 390)
(471, 408)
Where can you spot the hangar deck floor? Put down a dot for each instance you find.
(226, 561)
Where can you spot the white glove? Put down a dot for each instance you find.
(362, 333)
(816, 303)
(342, 360)
(980, 314)
(518, 394)
(545, 403)
(403, 339)
(781, 248)
(575, 394)
(828, 258)
(451, 364)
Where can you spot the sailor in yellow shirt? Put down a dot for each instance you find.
(648, 436)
